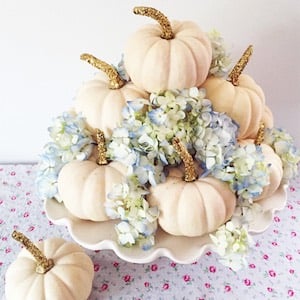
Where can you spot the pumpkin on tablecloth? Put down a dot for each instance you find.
(52, 269)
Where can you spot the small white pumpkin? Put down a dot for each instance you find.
(191, 207)
(83, 185)
(168, 55)
(50, 270)
(102, 99)
(241, 98)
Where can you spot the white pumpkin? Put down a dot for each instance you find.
(102, 99)
(168, 55)
(241, 98)
(191, 207)
(69, 274)
(244, 103)
(83, 185)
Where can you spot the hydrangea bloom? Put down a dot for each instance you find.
(232, 243)
(144, 140)
(232, 240)
(246, 171)
(221, 60)
(283, 145)
(138, 223)
(215, 142)
(71, 140)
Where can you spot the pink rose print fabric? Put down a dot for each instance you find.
(273, 270)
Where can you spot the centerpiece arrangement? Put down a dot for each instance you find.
(171, 143)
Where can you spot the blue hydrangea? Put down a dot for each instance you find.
(70, 140)
(245, 170)
(215, 141)
(283, 145)
(148, 129)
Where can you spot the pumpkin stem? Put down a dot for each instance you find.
(115, 80)
(260, 134)
(237, 70)
(189, 172)
(101, 148)
(43, 263)
(155, 14)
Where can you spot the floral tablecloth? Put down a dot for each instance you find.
(273, 270)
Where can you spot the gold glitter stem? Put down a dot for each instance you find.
(101, 148)
(189, 169)
(158, 16)
(237, 70)
(43, 263)
(115, 81)
(260, 134)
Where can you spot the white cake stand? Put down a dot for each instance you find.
(184, 250)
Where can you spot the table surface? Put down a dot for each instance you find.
(273, 270)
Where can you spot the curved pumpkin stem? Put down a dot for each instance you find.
(260, 134)
(115, 80)
(43, 263)
(101, 148)
(155, 14)
(237, 70)
(189, 172)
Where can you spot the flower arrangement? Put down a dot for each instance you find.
(143, 143)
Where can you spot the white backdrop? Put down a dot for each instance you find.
(41, 41)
